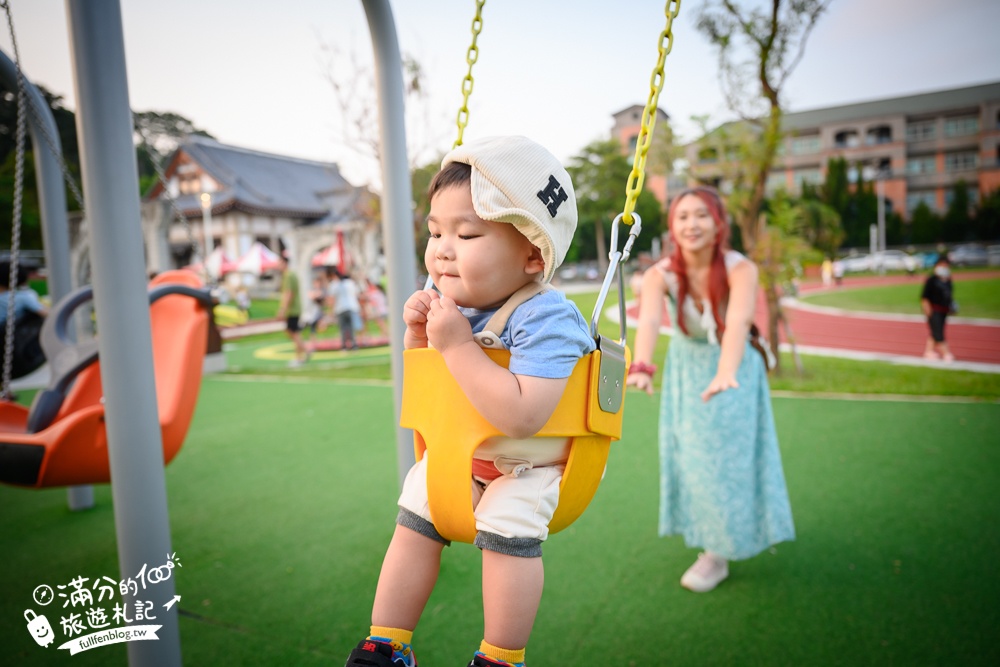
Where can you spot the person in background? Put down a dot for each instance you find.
(243, 300)
(376, 308)
(838, 272)
(289, 309)
(826, 271)
(721, 480)
(938, 301)
(26, 300)
(313, 319)
(343, 296)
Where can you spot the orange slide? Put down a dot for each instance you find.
(61, 440)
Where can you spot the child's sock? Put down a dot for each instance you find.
(504, 656)
(399, 638)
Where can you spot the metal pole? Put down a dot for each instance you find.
(880, 192)
(52, 207)
(51, 194)
(397, 198)
(206, 233)
(111, 187)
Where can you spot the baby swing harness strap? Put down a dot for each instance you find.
(489, 337)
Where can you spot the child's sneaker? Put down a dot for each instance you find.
(706, 573)
(480, 660)
(374, 653)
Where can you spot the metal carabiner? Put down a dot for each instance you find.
(615, 260)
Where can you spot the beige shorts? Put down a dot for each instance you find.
(518, 505)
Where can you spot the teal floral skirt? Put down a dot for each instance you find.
(721, 482)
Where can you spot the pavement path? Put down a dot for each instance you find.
(885, 337)
(835, 332)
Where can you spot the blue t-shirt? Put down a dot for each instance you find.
(25, 301)
(546, 335)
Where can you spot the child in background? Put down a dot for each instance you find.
(502, 216)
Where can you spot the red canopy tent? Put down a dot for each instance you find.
(258, 259)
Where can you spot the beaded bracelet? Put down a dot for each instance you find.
(642, 367)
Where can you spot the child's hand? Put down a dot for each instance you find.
(446, 325)
(415, 317)
(719, 384)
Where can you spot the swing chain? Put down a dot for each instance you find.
(637, 176)
(471, 56)
(15, 243)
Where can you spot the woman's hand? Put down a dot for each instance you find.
(643, 381)
(719, 384)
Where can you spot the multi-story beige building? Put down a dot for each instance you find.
(628, 124)
(920, 146)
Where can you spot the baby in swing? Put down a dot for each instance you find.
(502, 216)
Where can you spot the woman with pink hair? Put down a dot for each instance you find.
(721, 481)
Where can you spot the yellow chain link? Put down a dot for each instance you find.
(470, 57)
(638, 175)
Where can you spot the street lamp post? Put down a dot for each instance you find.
(206, 236)
(880, 192)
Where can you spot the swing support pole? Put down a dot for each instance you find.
(52, 207)
(51, 195)
(111, 188)
(397, 198)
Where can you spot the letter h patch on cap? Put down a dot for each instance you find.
(553, 195)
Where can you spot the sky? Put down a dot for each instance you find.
(256, 74)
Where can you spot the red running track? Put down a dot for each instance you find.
(860, 333)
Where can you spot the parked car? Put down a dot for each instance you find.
(993, 252)
(857, 263)
(969, 254)
(897, 260)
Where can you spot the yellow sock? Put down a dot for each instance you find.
(392, 634)
(505, 654)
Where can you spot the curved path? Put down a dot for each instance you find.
(897, 338)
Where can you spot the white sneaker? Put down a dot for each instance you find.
(706, 573)
(294, 363)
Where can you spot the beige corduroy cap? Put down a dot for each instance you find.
(515, 180)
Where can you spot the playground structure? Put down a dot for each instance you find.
(111, 189)
(135, 440)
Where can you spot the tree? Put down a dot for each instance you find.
(420, 181)
(836, 189)
(758, 48)
(157, 134)
(600, 173)
(820, 225)
(987, 220)
(925, 225)
(780, 248)
(353, 84)
(65, 120)
(763, 47)
(957, 223)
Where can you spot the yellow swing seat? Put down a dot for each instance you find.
(445, 422)
(589, 413)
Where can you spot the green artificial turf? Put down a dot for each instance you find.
(976, 298)
(282, 504)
